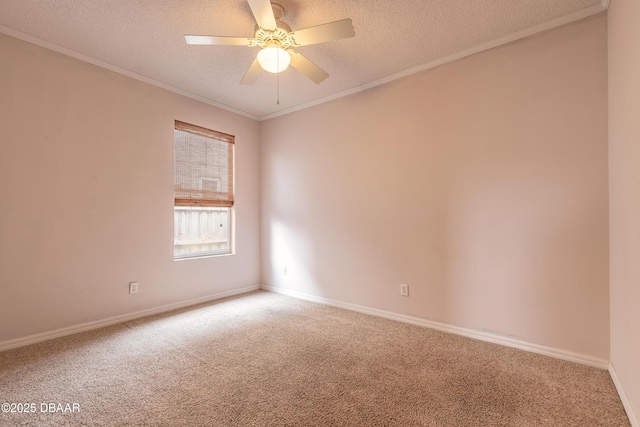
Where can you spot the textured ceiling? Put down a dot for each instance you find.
(145, 37)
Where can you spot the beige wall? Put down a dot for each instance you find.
(86, 177)
(482, 184)
(624, 188)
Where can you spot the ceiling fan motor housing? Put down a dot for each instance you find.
(281, 37)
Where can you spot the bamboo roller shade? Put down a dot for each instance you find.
(203, 166)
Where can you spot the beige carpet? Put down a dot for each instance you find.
(268, 360)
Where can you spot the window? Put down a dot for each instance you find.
(203, 178)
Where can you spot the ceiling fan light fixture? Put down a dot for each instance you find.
(274, 59)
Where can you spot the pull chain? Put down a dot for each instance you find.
(278, 78)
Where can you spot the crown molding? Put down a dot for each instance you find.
(602, 6)
(93, 61)
(554, 23)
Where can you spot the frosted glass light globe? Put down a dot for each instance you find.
(274, 59)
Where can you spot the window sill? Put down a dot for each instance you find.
(187, 258)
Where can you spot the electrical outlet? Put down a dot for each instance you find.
(284, 270)
(404, 290)
(133, 287)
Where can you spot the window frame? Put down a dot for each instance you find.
(191, 192)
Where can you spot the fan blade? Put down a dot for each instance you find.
(218, 40)
(307, 67)
(263, 12)
(252, 73)
(324, 33)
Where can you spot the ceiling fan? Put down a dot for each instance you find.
(277, 41)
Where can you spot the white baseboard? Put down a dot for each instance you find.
(44, 336)
(470, 333)
(623, 397)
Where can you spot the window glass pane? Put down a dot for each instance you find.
(199, 231)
